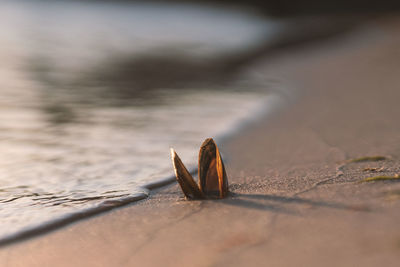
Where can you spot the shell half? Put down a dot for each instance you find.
(212, 175)
(189, 187)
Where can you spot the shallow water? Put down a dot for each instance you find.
(77, 129)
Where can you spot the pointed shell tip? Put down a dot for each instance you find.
(172, 152)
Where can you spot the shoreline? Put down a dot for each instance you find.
(271, 104)
(290, 196)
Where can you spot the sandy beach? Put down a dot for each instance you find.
(297, 198)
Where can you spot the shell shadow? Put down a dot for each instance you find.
(281, 204)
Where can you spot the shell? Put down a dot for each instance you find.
(189, 187)
(213, 181)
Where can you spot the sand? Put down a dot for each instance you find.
(296, 200)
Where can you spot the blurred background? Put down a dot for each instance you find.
(310, 7)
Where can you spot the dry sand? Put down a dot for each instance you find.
(295, 201)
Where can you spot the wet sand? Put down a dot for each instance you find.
(296, 198)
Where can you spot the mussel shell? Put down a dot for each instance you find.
(189, 187)
(213, 180)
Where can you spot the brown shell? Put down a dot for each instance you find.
(189, 187)
(213, 180)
